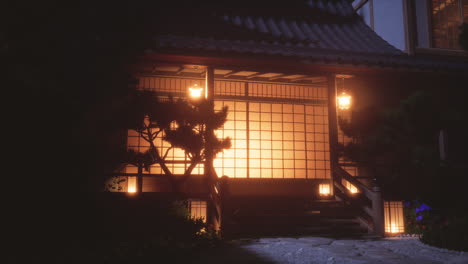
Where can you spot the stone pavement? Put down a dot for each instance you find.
(309, 250)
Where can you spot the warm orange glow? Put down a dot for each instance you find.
(344, 101)
(132, 184)
(324, 189)
(351, 188)
(197, 209)
(195, 91)
(393, 215)
(274, 140)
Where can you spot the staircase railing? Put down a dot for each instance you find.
(368, 199)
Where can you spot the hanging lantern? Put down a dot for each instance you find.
(343, 98)
(195, 92)
(344, 101)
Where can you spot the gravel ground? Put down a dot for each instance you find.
(308, 250)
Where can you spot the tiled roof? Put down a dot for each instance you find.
(321, 32)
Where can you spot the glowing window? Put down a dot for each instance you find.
(270, 138)
(446, 17)
(197, 209)
(137, 143)
(270, 141)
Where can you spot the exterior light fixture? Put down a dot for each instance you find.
(351, 188)
(393, 217)
(132, 185)
(195, 92)
(324, 189)
(343, 98)
(344, 101)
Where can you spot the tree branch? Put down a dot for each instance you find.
(167, 152)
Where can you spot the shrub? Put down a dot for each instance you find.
(417, 216)
(448, 232)
(133, 230)
(436, 227)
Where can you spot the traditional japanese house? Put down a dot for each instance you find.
(285, 72)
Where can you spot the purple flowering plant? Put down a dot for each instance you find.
(417, 215)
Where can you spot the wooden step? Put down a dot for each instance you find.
(260, 216)
(288, 230)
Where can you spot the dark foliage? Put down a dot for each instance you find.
(443, 227)
(463, 38)
(400, 147)
(129, 230)
(449, 232)
(67, 68)
(184, 125)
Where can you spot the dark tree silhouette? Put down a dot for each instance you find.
(181, 124)
(463, 37)
(400, 146)
(396, 145)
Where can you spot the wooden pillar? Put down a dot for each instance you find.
(212, 204)
(378, 212)
(209, 95)
(139, 179)
(209, 84)
(332, 124)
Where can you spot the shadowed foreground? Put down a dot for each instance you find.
(350, 251)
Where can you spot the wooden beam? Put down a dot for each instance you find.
(257, 63)
(230, 73)
(180, 70)
(344, 76)
(277, 77)
(318, 79)
(300, 78)
(254, 75)
(313, 79)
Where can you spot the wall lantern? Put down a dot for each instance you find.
(393, 217)
(343, 98)
(344, 101)
(324, 189)
(195, 92)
